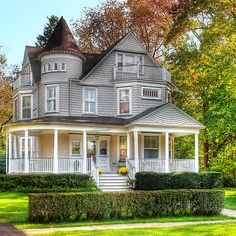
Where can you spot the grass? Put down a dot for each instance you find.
(230, 198)
(14, 209)
(226, 229)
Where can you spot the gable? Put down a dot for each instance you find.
(169, 116)
(130, 43)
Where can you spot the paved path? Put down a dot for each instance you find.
(120, 226)
(10, 230)
(228, 212)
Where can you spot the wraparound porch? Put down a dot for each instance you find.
(47, 149)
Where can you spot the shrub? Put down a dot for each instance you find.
(184, 180)
(229, 181)
(2, 166)
(46, 183)
(51, 207)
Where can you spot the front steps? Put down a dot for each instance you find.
(113, 182)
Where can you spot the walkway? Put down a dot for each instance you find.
(228, 212)
(121, 226)
(10, 230)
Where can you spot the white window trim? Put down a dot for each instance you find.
(57, 98)
(167, 94)
(61, 66)
(76, 137)
(55, 62)
(21, 106)
(151, 98)
(96, 100)
(15, 111)
(124, 69)
(130, 101)
(160, 142)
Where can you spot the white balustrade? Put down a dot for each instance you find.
(70, 165)
(17, 165)
(41, 165)
(182, 165)
(152, 164)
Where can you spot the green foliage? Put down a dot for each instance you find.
(46, 183)
(117, 205)
(159, 181)
(42, 39)
(2, 165)
(229, 181)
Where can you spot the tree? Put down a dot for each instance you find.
(100, 27)
(42, 39)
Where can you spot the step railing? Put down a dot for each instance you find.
(131, 168)
(94, 170)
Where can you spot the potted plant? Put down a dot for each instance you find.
(123, 171)
(99, 170)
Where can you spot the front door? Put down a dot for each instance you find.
(91, 148)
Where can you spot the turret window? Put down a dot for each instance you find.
(63, 66)
(49, 67)
(55, 66)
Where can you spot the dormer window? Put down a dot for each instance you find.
(55, 66)
(49, 67)
(63, 66)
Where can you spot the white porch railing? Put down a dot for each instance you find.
(93, 169)
(41, 165)
(182, 165)
(70, 165)
(17, 165)
(131, 168)
(152, 164)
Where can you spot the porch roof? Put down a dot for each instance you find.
(166, 115)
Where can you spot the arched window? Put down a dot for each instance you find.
(43, 68)
(49, 67)
(55, 67)
(63, 66)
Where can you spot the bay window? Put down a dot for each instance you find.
(52, 98)
(124, 101)
(151, 147)
(90, 97)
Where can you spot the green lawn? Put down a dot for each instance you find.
(226, 229)
(13, 209)
(230, 198)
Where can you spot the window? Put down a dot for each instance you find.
(151, 93)
(26, 106)
(130, 64)
(22, 147)
(123, 147)
(103, 147)
(75, 147)
(52, 98)
(63, 66)
(120, 61)
(43, 68)
(55, 66)
(124, 101)
(151, 147)
(168, 97)
(15, 108)
(90, 100)
(49, 67)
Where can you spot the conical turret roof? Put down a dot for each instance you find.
(61, 40)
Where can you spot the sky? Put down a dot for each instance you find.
(22, 20)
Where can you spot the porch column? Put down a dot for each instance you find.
(84, 151)
(167, 167)
(136, 157)
(9, 138)
(26, 163)
(128, 145)
(55, 156)
(196, 160)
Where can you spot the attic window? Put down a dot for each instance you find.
(151, 93)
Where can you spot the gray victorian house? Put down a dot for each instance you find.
(78, 112)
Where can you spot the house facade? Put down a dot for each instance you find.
(75, 112)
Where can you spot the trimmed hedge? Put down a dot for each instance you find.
(46, 183)
(117, 205)
(2, 166)
(184, 180)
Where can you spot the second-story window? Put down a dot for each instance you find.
(26, 106)
(52, 98)
(151, 93)
(15, 108)
(90, 95)
(124, 101)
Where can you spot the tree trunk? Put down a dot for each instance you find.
(205, 151)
